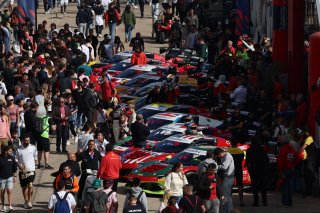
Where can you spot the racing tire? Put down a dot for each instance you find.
(162, 37)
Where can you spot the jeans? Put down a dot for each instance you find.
(212, 206)
(82, 28)
(287, 188)
(174, 8)
(80, 119)
(308, 177)
(258, 181)
(112, 30)
(62, 134)
(13, 126)
(155, 11)
(128, 31)
(178, 198)
(89, 114)
(116, 130)
(227, 184)
(79, 3)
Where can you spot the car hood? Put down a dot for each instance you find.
(152, 168)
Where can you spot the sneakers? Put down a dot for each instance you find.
(40, 166)
(48, 167)
(3, 209)
(11, 209)
(29, 205)
(68, 142)
(25, 205)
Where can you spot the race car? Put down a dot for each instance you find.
(135, 93)
(152, 174)
(119, 67)
(162, 119)
(152, 109)
(138, 82)
(164, 150)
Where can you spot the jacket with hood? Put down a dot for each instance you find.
(138, 58)
(204, 165)
(136, 191)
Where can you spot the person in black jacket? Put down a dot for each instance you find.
(133, 206)
(90, 160)
(257, 163)
(207, 189)
(139, 132)
(72, 163)
(90, 101)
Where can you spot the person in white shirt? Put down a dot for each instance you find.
(105, 4)
(100, 143)
(62, 195)
(27, 156)
(239, 95)
(192, 37)
(175, 181)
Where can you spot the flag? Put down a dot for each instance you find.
(242, 20)
(26, 9)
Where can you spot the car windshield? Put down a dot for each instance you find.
(143, 91)
(155, 123)
(129, 73)
(161, 134)
(169, 146)
(187, 159)
(121, 66)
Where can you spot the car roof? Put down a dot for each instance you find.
(145, 67)
(170, 116)
(177, 127)
(188, 139)
(158, 106)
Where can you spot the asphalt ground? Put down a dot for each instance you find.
(43, 181)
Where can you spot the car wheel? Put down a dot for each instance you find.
(162, 37)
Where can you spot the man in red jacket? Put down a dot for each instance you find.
(110, 167)
(286, 162)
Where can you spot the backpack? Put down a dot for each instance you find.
(39, 125)
(100, 199)
(62, 205)
(138, 198)
(195, 206)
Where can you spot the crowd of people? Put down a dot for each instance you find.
(47, 87)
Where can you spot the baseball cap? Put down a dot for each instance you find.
(96, 183)
(10, 98)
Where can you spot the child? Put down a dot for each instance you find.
(172, 206)
(112, 204)
(139, 195)
(165, 202)
(133, 207)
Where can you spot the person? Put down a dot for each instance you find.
(90, 102)
(138, 57)
(112, 204)
(118, 45)
(110, 166)
(175, 181)
(202, 49)
(63, 6)
(99, 10)
(238, 156)
(236, 126)
(61, 195)
(100, 143)
(138, 193)
(139, 132)
(27, 156)
(137, 42)
(30, 119)
(112, 19)
(132, 115)
(309, 163)
(165, 201)
(81, 20)
(154, 10)
(192, 37)
(13, 112)
(154, 95)
(227, 169)
(129, 20)
(43, 141)
(133, 207)
(8, 176)
(106, 49)
(90, 159)
(190, 202)
(73, 117)
(202, 167)
(72, 163)
(286, 163)
(25, 85)
(192, 19)
(257, 163)
(141, 7)
(171, 207)
(70, 181)
(239, 95)
(207, 189)
(27, 44)
(5, 134)
(84, 137)
(61, 116)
